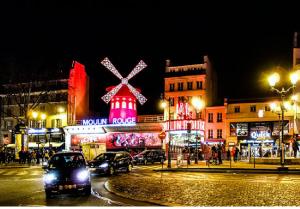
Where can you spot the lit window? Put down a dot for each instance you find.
(117, 105)
(130, 105)
(134, 106)
(112, 105)
(123, 104)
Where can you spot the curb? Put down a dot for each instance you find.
(230, 170)
(158, 203)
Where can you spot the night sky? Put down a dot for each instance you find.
(243, 41)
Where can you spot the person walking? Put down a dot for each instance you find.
(236, 154)
(219, 154)
(295, 148)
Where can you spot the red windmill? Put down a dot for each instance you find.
(123, 96)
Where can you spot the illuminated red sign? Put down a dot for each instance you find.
(180, 125)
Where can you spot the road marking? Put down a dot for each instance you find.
(109, 201)
(22, 173)
(9, 173)
(35, 173)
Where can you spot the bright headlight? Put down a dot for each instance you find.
(104, 165)
(83, 175)
(48, 178)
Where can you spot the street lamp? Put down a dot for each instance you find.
(273, 79)
(198, 104)
(164, 105)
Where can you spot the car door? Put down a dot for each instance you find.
(118, 161)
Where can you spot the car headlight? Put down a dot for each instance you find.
(83, 175)
(104, 165)
(49, 177)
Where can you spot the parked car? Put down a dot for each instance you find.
(111, 162)
(66, 172)
(150, 156)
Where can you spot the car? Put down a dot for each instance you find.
(66, 172)
(150, 156)
(111, 162)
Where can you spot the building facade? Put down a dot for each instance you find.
(255, 128)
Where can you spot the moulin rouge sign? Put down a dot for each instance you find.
(104, 121)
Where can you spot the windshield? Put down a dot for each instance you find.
(106, 156)
(67, 161)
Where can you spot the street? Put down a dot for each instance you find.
(24, 187)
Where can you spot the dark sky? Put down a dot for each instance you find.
(243, 40)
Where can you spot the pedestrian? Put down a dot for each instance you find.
(220, 153)
(295, 148)
(46, 155)
(228, 154)
(236, 154)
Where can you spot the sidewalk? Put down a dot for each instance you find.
(227, 166)
(17, 165)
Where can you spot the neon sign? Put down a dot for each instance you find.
(93, 122)
(176, 125)
(130, 120)
(262, 134)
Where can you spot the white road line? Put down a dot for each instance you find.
(35, 173)
(9, 173)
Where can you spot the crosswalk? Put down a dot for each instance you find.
(19, 173)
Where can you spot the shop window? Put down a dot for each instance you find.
(219, 133)
(172, 86)
(123, 104)
(199, 85)
(253, 108)
(117, 105)
(190, 85)
(210, 133)
(219, 117)
(130, 105)
(237, 109)
(210, 117)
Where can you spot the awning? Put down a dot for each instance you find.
(214, 140)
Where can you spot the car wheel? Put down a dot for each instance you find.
(129, 168)
(111, 171)
(145, 162)
(48, 194)
(87, 191)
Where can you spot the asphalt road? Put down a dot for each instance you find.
(24, 187)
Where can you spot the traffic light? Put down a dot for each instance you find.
(189, 127)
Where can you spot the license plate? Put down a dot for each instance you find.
(92, 169)
(61, 187)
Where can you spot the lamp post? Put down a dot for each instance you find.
(273, 79)
(164, 105)
(198, 105)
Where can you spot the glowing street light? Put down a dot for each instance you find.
(34, 114)
(273, 79)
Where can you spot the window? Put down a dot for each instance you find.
(181, 99)
(219, 117)
(117, 105)
(190, 85)
(172, 86)
(53, 123)
(210, 117)
(237, 109)
(219, 133)
(123, 104)
(58, 123)
(43, 123)
(267, 108)
(42, 108)
(172, 101)
(210, 133)
(253, 108)
(112, 105)
(130, 105)
(8, 124)
(199, 85)
(180, 86)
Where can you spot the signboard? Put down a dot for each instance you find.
(162, 135)
(93, 122)
(129, 120)
(176, 125)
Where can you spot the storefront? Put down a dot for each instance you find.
(130, 137)
(259, 138)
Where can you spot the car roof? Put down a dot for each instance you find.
(68, 153)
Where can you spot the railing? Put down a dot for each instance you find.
(150, 119)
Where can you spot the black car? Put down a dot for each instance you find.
(67, 172)
(111, 162)
(150, 156)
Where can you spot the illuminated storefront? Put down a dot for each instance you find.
(259, 138)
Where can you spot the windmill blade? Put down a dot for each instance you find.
(137, 94)
(140, 66)
(106, 62)
(107, 97)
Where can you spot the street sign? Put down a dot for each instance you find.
(162, 135)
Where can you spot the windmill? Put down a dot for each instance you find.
(123, 96)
